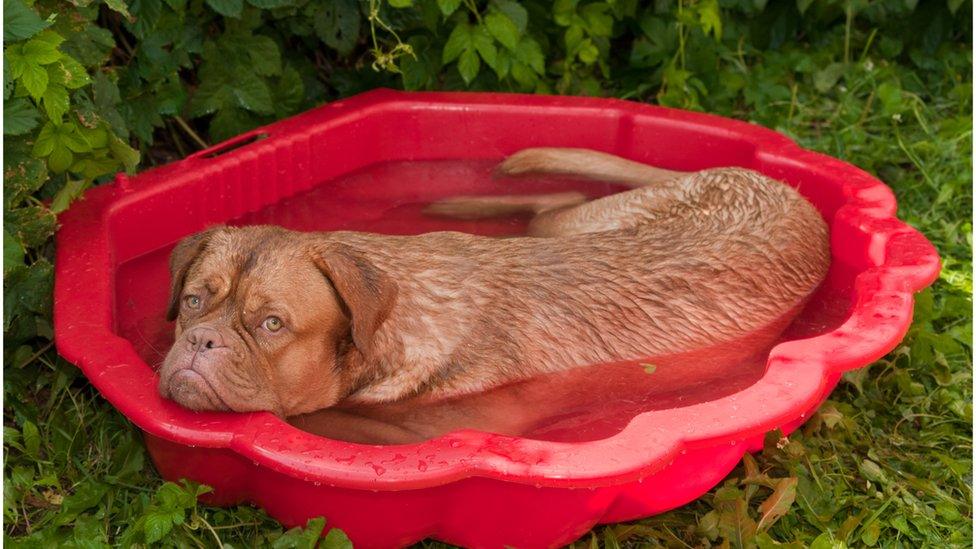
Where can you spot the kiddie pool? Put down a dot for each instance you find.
(468, 488)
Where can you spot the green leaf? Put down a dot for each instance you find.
(871, 533)
(119, 6)
(337, 24)
(23, 173)
(57, 142)
(86, 495)
(515, 12)
(898, 522)
(67, 194)
(598, 21)
(19, 21)
(710, 18)
(523, 74)
(891, 99)
(335, 539)
(448, 6)
(288, 92)
(270, 4)
(145, 18)
(106, 96)
(124, 153)
(69, 73)
(401, 3)
(170, 97)
(46, 141)
(157, 525)
(19, 116)
(32, 438)
(43, 48)
(588, 52)
(563, 11)
(227, 8)
(60, 159)
(264, 55)
(212, 94)
(503, 29)
(469, 65)
(947, 511)
(13, 253)
(229, 122)
(35, 79)
(308, 537)
(91, 167)
(55, 101)
(253, 93)
(485, 46)
(825, 79)
(871, 471)
(459, 40)
(530, 53)
(91, 46)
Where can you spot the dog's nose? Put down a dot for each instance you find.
(201, 339)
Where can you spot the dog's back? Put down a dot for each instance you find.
(683, 261)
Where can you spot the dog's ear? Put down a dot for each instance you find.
(180, 260)
(367, 294)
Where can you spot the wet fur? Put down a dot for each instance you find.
(684, 260)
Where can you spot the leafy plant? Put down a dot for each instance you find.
(94, 87)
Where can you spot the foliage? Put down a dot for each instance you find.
(93, 87)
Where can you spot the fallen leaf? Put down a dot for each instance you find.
(778, 503)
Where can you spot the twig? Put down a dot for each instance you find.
(238, 525)
(864, 52)
(176, 139)
(186, 127)
(34, 356)
(473, 9)
(209, 527)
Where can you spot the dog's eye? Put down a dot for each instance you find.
(192, 302)
(272, 324)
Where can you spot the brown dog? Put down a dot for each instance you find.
(270, 319)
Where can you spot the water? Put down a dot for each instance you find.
(586, 403)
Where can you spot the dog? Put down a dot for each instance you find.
(274, 320)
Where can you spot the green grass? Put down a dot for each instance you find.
(886, 462)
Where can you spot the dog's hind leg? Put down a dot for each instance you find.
(653, 198)
(583, 164)
(563, 214)
(483, 207)
(644, 206)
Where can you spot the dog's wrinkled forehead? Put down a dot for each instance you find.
(215, 259)
(252, 268)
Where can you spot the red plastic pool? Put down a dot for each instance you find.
(369, 163)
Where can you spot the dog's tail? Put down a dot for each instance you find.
(583, 164)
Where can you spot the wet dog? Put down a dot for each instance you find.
(289, 322)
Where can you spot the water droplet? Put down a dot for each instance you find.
(378, 469)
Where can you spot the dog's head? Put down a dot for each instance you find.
(267, 319)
